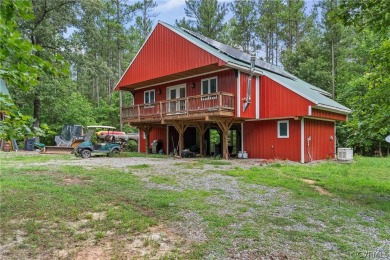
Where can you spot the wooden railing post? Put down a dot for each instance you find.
(160, 109)
(220, 101)
(139, 112)
(187, 105)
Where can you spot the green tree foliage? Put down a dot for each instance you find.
(242, 25)
(206, 17)
(373, 14)
(295, 23)
(20, 65)
(16, 125)
(310, 61)
(145, 20)
(269, 28)
(369, 122)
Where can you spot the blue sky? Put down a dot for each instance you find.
(170, 10)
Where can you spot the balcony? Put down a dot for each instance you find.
(192, 108)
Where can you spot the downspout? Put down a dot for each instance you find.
(247, 100)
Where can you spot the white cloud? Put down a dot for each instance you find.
(169, 5)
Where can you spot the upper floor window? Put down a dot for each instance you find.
(149, 96)
(209, 85)
(283, 129)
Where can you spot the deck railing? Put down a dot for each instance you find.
(191, 105)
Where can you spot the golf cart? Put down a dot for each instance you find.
(95, 144)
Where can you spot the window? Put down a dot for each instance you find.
(149, 96)
(283, 131)
(209, 86)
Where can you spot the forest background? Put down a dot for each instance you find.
(61, 59)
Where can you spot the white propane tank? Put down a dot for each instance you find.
(245, 155)
(239, 155)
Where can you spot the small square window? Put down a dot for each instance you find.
(283, 129)
(209, 86)
(149, 97)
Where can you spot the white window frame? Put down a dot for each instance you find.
(209, 79)
(288, 128)
(154, 96)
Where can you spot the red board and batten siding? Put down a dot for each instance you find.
(166, 53)
(261, 140)
(157, 133)
(250, 112)
(226, 82)
(322, 144)
(328, 115)
(278, 101)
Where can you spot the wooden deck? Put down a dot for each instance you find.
(200, 107)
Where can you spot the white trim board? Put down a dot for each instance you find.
(257, 96)
(238, 94)
(303, 140)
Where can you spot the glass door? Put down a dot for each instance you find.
(176, 106)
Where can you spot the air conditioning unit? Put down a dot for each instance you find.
(345, 154)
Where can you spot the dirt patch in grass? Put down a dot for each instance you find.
(73, 181)
(156, 243)
(319, 189)
(49, 173)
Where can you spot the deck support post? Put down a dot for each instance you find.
(224, 125)
(180, 127)
(201, 128)
(146, 129)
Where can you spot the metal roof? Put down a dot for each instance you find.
(101, 126)
(240, 58)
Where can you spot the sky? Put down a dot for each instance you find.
(170, 10)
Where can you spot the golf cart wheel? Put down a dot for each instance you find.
(85, 153)
(114, 152)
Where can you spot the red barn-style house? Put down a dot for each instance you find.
(188, 89)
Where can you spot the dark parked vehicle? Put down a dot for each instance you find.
(95, 145)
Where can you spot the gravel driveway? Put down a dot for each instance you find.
(248, 206)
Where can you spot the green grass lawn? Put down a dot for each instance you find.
(47, 209)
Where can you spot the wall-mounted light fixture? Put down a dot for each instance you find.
(159, 91)
(193, 85)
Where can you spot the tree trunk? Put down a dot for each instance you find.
(333, 70)
(119, 66)
(37, 106)
(97, 90)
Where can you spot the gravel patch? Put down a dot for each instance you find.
(192, 228)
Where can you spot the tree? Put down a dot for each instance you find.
(19, 63)
(145, 20)
(373, 14)
(16, 125)
(309, 61)
(370, 119)
(268, 28)
(50, 20)
(242, 25)
(295, 23)
(206, 17)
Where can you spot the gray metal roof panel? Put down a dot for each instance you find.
(238, 54)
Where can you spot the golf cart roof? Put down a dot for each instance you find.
(101, 126)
